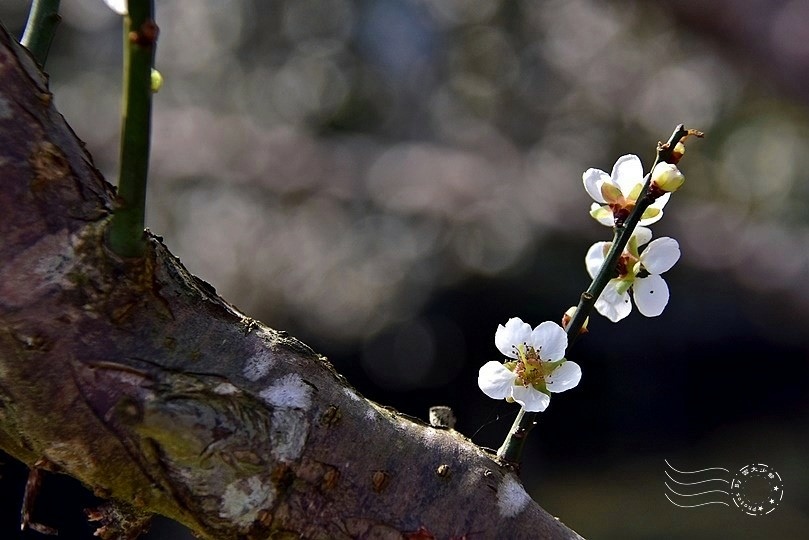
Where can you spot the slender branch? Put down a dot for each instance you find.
(511, 450)
(40, 28)
(140, 37)
(622, 234)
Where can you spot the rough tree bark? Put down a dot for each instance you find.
(137, 379)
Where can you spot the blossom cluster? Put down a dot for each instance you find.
(536, 365)
(615, 196)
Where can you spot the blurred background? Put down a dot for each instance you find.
(389, 180)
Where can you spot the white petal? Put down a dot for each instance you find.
(651, 295)
(661, 201)
(514, 333)
(595, 257)
(593, 178)
(495, 380)
(564, 377)
(118, 6)
(642, 235)
(627, 173)
(531, 399)
(660, 255)
(549, 340)
(613, 305)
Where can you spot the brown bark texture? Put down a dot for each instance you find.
(136, 378)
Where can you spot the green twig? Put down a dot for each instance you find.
(511, 450)
(622, 234)
(40, 28)
(140, 37)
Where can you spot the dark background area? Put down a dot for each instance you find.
(390, 180)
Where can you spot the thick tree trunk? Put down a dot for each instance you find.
(137, 379)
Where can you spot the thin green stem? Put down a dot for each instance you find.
(622, 234)
(40, 28)
(511, 450)
(140, 37)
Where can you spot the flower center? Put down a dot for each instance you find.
(626, 264)
(530, 369)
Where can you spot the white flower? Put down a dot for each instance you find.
(537, 369)
(637, 272)
(118, 6)
(616, 194)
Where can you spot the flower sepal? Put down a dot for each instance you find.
(650, 214)
(611, 193)
(623, 285)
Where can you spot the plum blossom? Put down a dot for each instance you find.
(537, 366)
(639, 273)
(616, 194)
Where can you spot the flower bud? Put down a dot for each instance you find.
(667, 177)
(568, 316)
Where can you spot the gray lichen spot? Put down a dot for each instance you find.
(258, 365)
(511, 497)
(288, 436)
(245, 498)
(288, 392)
